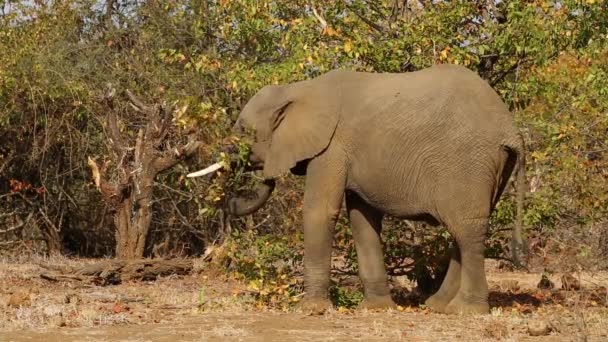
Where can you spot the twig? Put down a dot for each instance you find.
(60, 277)
(369, 23)
(17, 226)
(319, 18)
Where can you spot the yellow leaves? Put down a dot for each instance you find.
(203, 63)
(344, 310)
(179, 116)
(444, 53)
(255, 285)
(348, 46)
(539, 156)
(328, 31)
(407, 309)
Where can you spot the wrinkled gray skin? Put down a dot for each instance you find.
(436, 145)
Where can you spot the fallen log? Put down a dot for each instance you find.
(118, 271)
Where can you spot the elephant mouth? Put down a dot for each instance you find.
(244, 202)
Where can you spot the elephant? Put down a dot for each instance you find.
(436, 145)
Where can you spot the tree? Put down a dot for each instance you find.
(136, 167)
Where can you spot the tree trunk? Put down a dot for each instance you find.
(53, 242)
(133, 219)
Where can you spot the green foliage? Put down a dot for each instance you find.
(266, 263)
(342, 297)
(567, 122)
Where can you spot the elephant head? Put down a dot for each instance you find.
(286, 125)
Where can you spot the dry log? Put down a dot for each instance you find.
(116, 272)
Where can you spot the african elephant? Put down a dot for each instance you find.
(436, 145)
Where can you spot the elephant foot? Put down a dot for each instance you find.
(461, 306)
(437, 303)
(314, 305)
(377, 303)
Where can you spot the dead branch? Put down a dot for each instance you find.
(138, 104)
(319, 18)
(116, 272)
(367, 21)
(60, 277)
(95, 172)
(139, 149)
(45, 217)
(18, 225)
(116, 142)
(175, 156)
(159, 118)
(109, 191)
(6, 162)
(163, 124)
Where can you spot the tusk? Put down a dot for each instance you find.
(205, 171)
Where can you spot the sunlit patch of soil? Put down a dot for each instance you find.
(209, 306)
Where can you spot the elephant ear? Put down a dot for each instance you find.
(302, 126)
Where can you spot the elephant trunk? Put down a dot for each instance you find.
(245, 205)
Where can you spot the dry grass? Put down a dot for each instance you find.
(207, 305)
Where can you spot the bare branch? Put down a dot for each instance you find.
(319, 18)
(105, 188)
(6, 161)
(18, 225)
(175, 156)
(164, 123)
(109, 12)
(139, 148)
(369, 23)
(116, 141)
(138, 104)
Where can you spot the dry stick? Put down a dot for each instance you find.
(59, 277)
(17, 226)
(319, 18)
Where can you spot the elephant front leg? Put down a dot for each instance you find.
(323, 196)
(318, 228)
(366, 223)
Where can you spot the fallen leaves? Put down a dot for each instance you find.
(118, 307)
(496, 330)
(19, 299)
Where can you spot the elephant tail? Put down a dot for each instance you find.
(518, 247)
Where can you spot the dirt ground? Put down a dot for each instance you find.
(206, 306)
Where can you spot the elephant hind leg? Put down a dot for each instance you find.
(464, 208)
(472, 294)
(450, 285)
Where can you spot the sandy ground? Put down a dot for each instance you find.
(207, 307)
